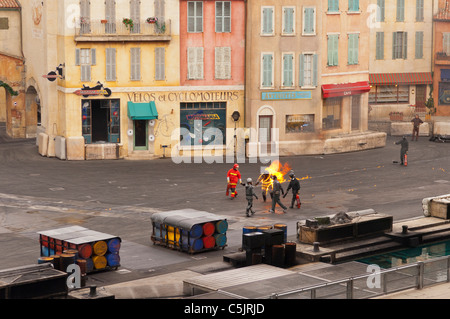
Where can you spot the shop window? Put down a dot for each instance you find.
(203, 123)
(101, 121)
(444, 93)
(4, 24)
(331, 115)
(389, 94)
(300, 123)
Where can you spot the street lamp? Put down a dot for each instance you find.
(236, 116)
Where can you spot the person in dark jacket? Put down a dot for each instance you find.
(404, 150)
(277, 189)
(294, 184)
(416, 124)
(249, 194)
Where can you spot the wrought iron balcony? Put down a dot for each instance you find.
(105, 31)
(442, 58)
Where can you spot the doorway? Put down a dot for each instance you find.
(140, 135)
(265, 132)
(356, 112)
(99, 122)
(421, 98)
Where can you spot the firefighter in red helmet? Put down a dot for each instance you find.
(233, 178)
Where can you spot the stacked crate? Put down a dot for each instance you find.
(189, 230)
(91, 250)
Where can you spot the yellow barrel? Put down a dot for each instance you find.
(100, 248)
(173, 236)
(99, 262)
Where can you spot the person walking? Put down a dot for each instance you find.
(404, 150)
(416, 124)
(277, 189)
(233, 177)
(265, 181)
(249, 194)
(294, 184)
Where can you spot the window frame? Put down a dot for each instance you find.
(313, 32)
(223, 17)
(292, 70)
(195, 17)
(335, 53)
(284, 31)
(263, 24)
(263, 70)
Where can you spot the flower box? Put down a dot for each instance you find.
(104, 21)
(396, 116)
(152, 20)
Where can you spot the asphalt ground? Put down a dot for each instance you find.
(119, 196)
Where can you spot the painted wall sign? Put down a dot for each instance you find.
(94, 91)
(184, 96)
(291, 95)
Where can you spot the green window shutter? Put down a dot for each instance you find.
(380, 46)
(315, 69)
(353, 5)
(301, 69)
(405, 45)
(419, 10)
(309, 21)
(381, 10)
(400, 10)
(267, 20)
(419, 45)
(288, 20)
(333, 5)
(267, 70)
(353, 43)
(287, 70)
(333, 46)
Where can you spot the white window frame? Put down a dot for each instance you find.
(311, 71)
(223, 17)
(262, 20)
(282, 70)
(283, 31)
(195, 17)
(262, 87)
(304, 20)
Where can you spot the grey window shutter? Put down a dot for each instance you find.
(200, 63)
(394, 44)
(110, 64)
(405, 45)
(160, 64)
(93, 57)
(77, 56)
(315, 69)
(301, 69)
(191, 63)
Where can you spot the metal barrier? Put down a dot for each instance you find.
(415, 275)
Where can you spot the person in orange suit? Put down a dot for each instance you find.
(233, 178)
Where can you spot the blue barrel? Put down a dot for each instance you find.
(89, 265)
(196, 231)
(114, 245)
(113, 260)
(194, 244)
(222, 226)
(248, 229)
(221, 239)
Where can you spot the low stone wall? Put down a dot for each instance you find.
(441, 128)
(102, 151)
(406, 128)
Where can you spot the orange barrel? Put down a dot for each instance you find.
(66, 260)
(85, 251)
(290, 249)
(208, 242)
(114, 245)
(283, 227)
(43, 260)
(56, 261)
(99, 262)
(113, 260)
(208, 229)
(99, 248)
(222, 226)
(82, 264)
(221, 239)
(262, 228)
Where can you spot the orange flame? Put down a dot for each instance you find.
(278, 170)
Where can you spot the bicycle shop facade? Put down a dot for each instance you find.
(146, 123)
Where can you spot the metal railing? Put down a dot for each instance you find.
(416, 275)
(89, 27)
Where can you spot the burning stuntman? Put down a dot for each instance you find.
(265, 181)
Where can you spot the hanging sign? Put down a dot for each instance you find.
(93, 91)
(53, 75)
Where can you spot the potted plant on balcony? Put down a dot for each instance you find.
(128, 23)
(152, 20)
(104, 21)
(160, 26)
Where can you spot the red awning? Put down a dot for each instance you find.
(333, 90)
(400, 78)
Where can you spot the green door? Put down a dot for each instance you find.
(140, 135)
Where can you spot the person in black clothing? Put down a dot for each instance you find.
(294, 184)
(249, 194)
(404, 150)
(276, 189)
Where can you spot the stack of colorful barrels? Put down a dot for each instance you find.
(89, 249)
(189, 230)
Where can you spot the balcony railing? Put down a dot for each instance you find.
(442, 57)
(102, 30)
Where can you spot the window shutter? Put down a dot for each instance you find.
(135, 15)
(381, 10)
(160, 64)
(199, 15)
(405, 45)
(419, 45)
(77, 56)
(333, 45)
(199, 63)
(227, 18)
(135, 70)
(110, 64)
(400, 10)
(446, 43)
(227, 62)
(419, 10)
(350, 49)
(301, 69)
(268, 20)
(309, 20)
(219, 16)
(315, 69)
(394, 44)
(93, 56)
(191, 63)
(267, 70)
(380, 46)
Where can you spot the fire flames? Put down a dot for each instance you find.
(279, 170)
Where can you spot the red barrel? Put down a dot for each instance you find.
(209, 242)
(85, 251)
(208, 229)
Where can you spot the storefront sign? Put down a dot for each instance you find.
(183, 96)
(291, 95)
